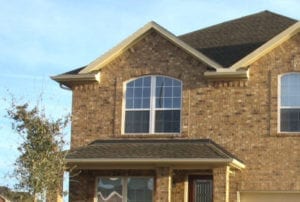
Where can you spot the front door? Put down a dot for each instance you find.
(200, 188)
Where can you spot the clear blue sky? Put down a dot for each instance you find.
(40, 38)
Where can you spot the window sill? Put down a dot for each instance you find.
(147, 135)
(288, 134)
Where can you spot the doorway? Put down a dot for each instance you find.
(200, 188)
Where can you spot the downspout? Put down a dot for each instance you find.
(62, 86)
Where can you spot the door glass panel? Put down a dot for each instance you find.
(202, 190)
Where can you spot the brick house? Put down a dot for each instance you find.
(212, 115)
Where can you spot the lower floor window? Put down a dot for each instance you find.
(125, 189)
(290, 120)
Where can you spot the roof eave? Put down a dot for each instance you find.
(227, 75)
(191, 161)
(237, 164)
(73, 78)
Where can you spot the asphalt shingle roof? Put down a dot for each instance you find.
(72, 72)
(152, 149)
(228, 42)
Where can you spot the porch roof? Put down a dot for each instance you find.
(174, 151)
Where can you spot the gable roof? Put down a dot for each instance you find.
(229, 42)
(229, 47)
(131, 40)
(153, 150)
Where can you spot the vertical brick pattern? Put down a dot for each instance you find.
(221, 184)
(178, 187)
(163, 184)
(241, 116)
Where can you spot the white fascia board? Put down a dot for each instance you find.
(147, 160)
(77, 77)
(232, 162)
(267, 47)
(227, 75)
(237, 164)
(128, 42)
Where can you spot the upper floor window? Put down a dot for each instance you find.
(153, 105)
(290, 102)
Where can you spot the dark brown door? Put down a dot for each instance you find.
(200, 188)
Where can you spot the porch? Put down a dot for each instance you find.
(152, 170)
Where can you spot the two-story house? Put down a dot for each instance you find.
(211, 115)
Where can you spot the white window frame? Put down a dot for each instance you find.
(279, 106)
(152, 108)
(124, 180)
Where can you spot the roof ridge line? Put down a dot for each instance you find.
(277, 14)
(236, 19)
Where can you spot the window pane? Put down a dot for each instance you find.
(139, 189)
(159, 81)
(176, 102)
(147, 81)
(138, 92)
(167, 121)
(168, 96)
(129, 92)
(290, 90)
(159, 91)
(146, 92)
(176, 83)
(137, 122)
(177, 92)
(130, 84)
(129, 103)
(168, 81)
(167, 103)
(146, 103)
(137, 103)
(109, 190)
(290, 120)
(168, 92)
(138, 82)
(138, 96)
(159, 102)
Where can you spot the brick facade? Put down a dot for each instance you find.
(241, 116)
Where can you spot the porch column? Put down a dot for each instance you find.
(163, 184)
(221, 184)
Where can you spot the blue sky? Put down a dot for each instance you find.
(40, 38)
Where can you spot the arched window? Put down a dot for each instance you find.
(153, 105)
(290, 102)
